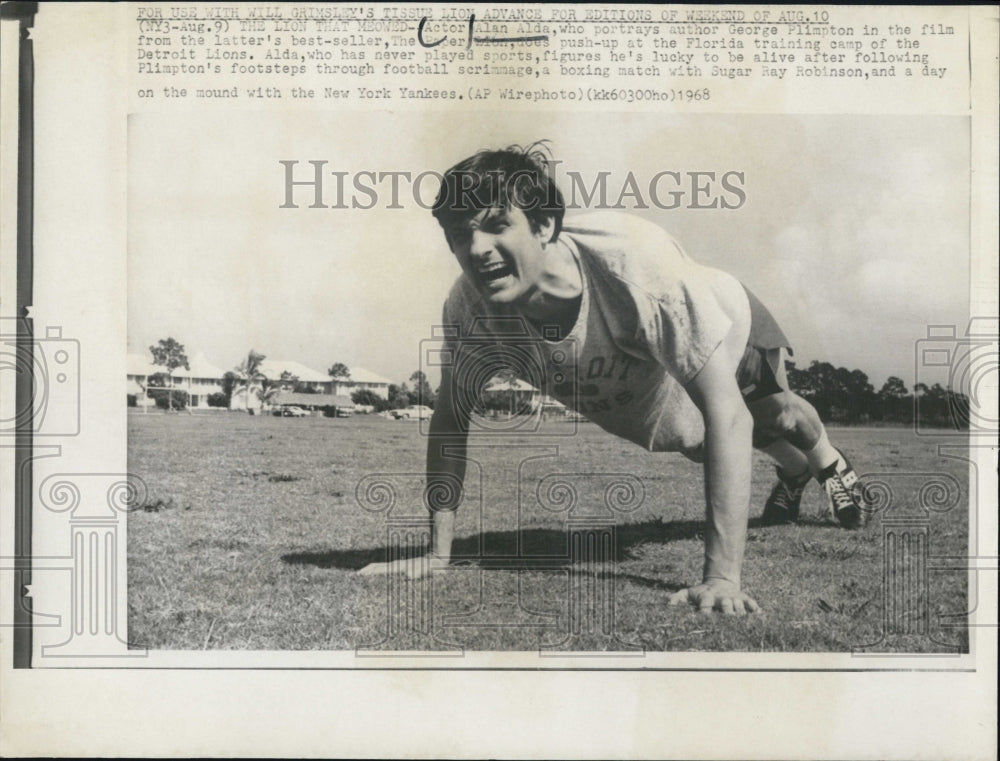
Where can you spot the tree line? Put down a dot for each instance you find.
(838, 394)
(847, 397)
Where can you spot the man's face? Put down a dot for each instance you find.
(501, 254)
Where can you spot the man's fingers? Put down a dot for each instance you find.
(372, 569)
(424, 566)
(381, 569)
(416, 568)
(679, 598)
(731, 603)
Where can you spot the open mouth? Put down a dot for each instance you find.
(494, 272)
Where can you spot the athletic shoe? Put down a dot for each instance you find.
(839, 486)
(783, 504)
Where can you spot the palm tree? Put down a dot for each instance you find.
(248, 375)
(269, 389)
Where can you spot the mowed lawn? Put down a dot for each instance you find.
(251, 531)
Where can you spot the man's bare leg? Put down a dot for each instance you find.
(789, 430)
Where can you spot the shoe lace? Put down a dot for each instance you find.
(787, 495)
(838, 493)
(783, 496)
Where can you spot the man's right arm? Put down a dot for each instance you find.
(446, 448)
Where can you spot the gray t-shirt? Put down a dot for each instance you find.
(649, 319)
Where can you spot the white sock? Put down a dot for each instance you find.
(791, 460)
(823, 455)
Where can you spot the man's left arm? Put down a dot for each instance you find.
(728, 457)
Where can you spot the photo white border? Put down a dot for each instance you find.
(146, 706)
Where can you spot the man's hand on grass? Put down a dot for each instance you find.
(717, 595)
(414, 568)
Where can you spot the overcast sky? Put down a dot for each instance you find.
(854, 231)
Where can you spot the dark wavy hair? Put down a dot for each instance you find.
(502, 179)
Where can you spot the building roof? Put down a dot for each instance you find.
(202, 368)
(142, 364)
(361, 375)
(515, 384)
(273, 368)
(137, 364)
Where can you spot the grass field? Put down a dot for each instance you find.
(250, 534)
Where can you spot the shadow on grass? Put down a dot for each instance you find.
(539, 547)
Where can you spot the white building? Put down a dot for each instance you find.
(361, 380)
(273, 369)
(296, 375)
(519, 394)
(203, 378)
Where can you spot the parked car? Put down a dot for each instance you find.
(293, 410)
(413, 412)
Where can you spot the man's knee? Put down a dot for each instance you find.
(776, 415)
(789, 413)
